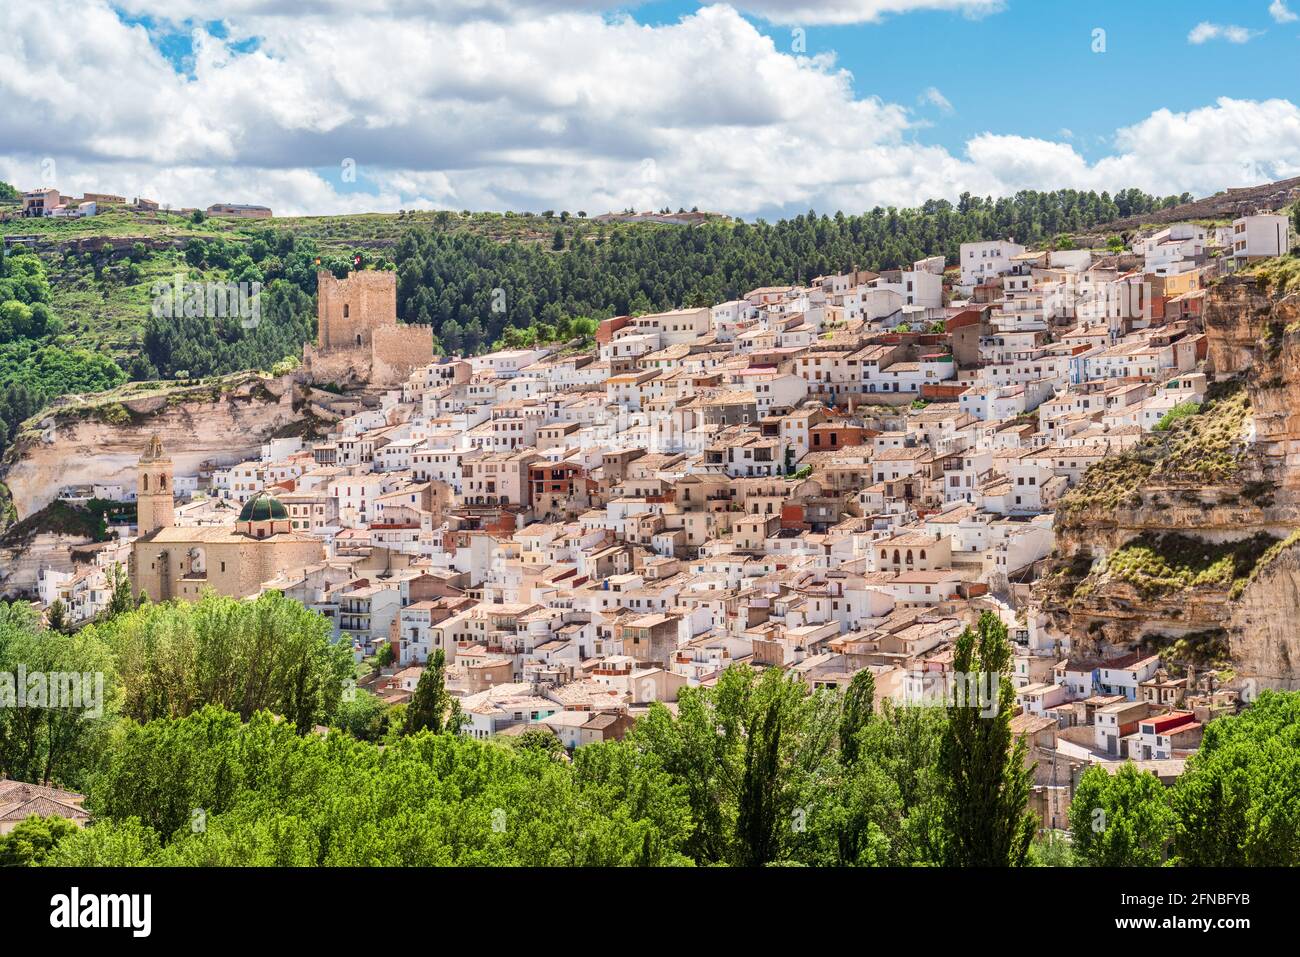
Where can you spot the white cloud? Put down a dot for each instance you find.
(796, 12)
(933, 97)
(1205, 31)
(1281, 13)
(552, 109)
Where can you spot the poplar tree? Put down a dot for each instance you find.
(758, 807)
(859, 701)
(988, 781)
(429, 705)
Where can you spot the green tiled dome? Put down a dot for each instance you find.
(263, 508)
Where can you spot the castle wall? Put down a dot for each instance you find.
(397, 351)
(359, 339)
(341, 366)
(349, 310)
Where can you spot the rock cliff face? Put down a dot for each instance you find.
(1191, 544)
(85, 443)
(21, 563)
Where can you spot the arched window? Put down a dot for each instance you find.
(896, 559)
(909, 556)
(162, 483)
(358, 338)
(145, 479)
(884, 555)
(923, 554)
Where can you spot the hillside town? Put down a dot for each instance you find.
(820, 478)
(47, 201)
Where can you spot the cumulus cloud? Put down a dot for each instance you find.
(552, 108)
(1281, 13)
(1205, 31)
(794, 12)
(807, 12)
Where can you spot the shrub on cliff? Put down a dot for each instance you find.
(1169, 562)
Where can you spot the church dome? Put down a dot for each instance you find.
(263, 508)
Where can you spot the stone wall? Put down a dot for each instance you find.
(359, 340)
(397, 351)
(349, 310)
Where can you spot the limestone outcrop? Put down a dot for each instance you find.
(1191, 543)
(98, 439)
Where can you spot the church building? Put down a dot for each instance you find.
(170, 561)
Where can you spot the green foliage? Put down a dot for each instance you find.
(988, 779)
(431, 707)
(22, 280)
(1277, 276)
(1238, 802)
(1204, 448)
(759, 806)
(60, 518)
(107, 843)
(271, 797)
(766, 783)
(1206, 648)
(1172, 561)
(859, 703)
(363, 716)
(31, 843)
(56, 617)
(268, 653)
(1122, 819)
(707, 746)
(1208, 446)
(1270, 555)
(120, 599)
(52, 745)
(1180, 411)
(773, 790)
(203, 346)
(31, 374)
(37, 363)
(1051, 850)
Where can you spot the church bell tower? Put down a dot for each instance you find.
(155, 502)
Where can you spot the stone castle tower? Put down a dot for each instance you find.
(348, 311)
(155, 504)
(358, 336)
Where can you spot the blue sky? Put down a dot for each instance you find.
(534, 104)
(1043, 49)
